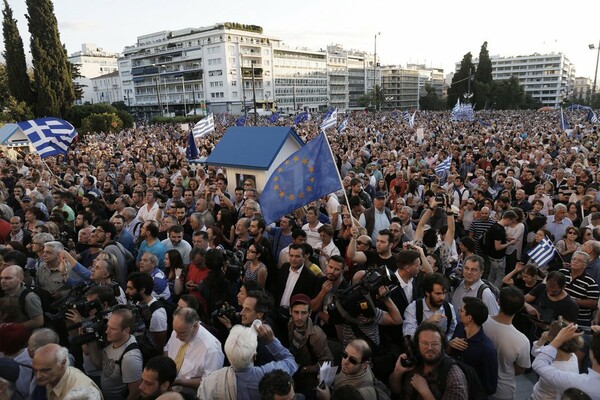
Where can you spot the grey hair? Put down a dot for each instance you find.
(583, 254)
(560, 207)
(152, 257)
(240, 346)
(62, 355)
(55, 245)
(189, 315)
(41, 337)
(43, 237)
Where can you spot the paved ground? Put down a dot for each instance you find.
(525, 385)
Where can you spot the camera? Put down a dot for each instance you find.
(358, 299)
(75, 299)
(411, 359)
(225, 310)
(233, 265)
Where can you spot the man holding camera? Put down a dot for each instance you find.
(431, 374)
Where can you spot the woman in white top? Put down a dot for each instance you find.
(565, 360)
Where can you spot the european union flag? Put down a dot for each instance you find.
(274, 118)
(304, 116)
(241, 121)
(191, 151)
(305, 176)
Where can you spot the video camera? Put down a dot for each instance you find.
(233, 265)
(225, 310)
(358, 299)
(93, 328)
(75, 299)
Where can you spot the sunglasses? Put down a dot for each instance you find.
(352, 360)
(363, 243)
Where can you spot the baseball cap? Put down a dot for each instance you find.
(380, 195)
(9, 369)
(299, 299)
(26, 199)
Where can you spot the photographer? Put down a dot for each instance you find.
(87, 326)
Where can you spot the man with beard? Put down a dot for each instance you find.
(421, 381)
(334, 281)
(158, 376)
(433, 308)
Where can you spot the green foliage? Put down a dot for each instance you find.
(460, 80)
(431, 101)
(54, 89)
(243, 27)
(78, 113)
(595, 101)
(105, 122)
(15, 111)
(19, 84)
(508, 94)
(484, 66)
(159, 119)
(126, 118)
(77, 87)
(120, 105)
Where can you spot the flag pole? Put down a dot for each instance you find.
(339, 177)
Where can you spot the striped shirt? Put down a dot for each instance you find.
(478, 228)
(583, 287)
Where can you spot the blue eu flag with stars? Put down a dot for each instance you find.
(305, 176)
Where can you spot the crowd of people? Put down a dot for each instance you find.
(129, 272)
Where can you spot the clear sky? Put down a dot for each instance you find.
(435, 32)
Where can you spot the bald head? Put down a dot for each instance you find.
(16, 271)
(170, 396)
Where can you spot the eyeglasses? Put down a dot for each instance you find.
(572, 233)
(352, 360)
(363, 243)
(252, 251)
(433, 345)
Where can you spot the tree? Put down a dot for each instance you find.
(484, 66)
(76, 73)
(105, 122)
(460, 81)
(53, 78)
(373, 100)
(508, 94)
(431, 101)
(19, 84)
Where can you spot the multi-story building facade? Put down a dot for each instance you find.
(582, 89)
(400, 87)
(549, 78)
(300, 79)
(222, 68)
(93, 61)
(107, 88)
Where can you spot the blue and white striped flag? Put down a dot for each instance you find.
(444, 166)
(330, 121)
(406, 116)
(543, 253)
(591, 117)
(204, 126)
(411, 121)
(49, 136)
(343, 126)
(564, 124)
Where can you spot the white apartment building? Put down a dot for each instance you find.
(300, 79)
(107, 88)
(401, 87)
(549, 78)
(582, 89)
(93, 61)
(220, 67)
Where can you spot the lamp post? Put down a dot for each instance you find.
(592, 47)
(375, 100)
(294, 90)
(166, 90)
(184, 100)
(158, 94)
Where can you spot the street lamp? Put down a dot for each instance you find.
(166, 90)
(375, 71)
(184, 100)
(592, 47)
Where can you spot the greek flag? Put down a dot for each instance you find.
(591, 117)
(444, 166)
(564, 124)
(406, 116)
(411, 121)
(204, 126)
(330, 121)
(543, 253)
(343, 126)
(49, 136)
(456, 106)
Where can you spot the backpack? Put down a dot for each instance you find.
(46, 300)
(447, 310)
(488, 285)
(169, 309)
(474, 386)
(382, 391)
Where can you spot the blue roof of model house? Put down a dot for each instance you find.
(253, 147)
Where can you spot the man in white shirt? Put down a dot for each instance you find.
(195, 351)
(150, 210)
